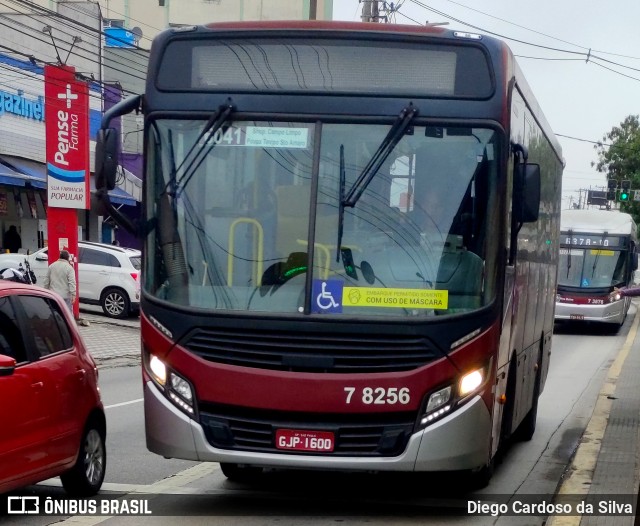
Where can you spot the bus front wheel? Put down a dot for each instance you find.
(240, 472)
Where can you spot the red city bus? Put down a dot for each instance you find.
(350, 246)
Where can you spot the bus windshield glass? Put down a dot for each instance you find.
(591, 267)
(251, 216)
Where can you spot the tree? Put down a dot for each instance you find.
(619, 159)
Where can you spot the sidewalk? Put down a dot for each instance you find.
(606, 466)
(111, 342)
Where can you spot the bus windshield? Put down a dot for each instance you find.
(591, 267)
(235, 209)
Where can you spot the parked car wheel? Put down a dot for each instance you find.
(86, 477)
(115, 303)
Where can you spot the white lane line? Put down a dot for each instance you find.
(124, 403)
(173, 485)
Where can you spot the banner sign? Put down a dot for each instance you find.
(67, 133)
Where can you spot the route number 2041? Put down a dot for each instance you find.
(380, 395)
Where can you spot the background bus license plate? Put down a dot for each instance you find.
(300, 440)
(576, 316)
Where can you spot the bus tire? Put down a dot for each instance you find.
(480, 478)
(527, 427)
(240, 472)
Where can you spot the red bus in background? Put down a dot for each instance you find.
(598, 253)
(350, 246)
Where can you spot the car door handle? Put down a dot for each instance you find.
(38, 385)
(81, 373)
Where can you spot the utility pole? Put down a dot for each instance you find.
(370, 11)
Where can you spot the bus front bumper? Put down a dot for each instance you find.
(609, 313)
(459, 441)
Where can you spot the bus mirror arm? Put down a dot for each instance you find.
(120, 219)
(108, 143)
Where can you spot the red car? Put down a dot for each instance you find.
(53, 420)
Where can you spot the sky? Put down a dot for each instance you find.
(580, 98)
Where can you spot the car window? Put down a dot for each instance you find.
(65, 332)
(94, 257)
(42, 324)
(136, 261)
(11, 343)
(113, 261)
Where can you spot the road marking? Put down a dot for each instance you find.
(169, 485)
(584, 462)
(124, 403)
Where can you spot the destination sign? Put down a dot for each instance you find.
(260, 136)
(591, 240)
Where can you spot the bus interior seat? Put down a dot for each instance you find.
(293, 220)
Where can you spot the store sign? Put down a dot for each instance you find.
(16, 104)
(67, 133)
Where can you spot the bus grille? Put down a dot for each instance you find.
(311, 352)
(384, 435)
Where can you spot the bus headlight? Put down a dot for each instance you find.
(445, 400)
(470, 382)
(174, 386)
(158, 370)
(180, 393)
(437, 406)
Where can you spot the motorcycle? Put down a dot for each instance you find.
(23, 274)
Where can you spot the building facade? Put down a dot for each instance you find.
(107, 42)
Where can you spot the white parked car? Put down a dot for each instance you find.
(108, 276)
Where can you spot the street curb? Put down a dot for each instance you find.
(581, 470)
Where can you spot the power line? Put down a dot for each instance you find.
(81, 55)
(589, 55)
(76, 26)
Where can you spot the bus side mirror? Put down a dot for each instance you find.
(106, 158)
(526, 192)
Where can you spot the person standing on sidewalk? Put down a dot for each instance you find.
(61, 278)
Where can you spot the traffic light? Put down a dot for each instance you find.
(612, 184)
(625, 190)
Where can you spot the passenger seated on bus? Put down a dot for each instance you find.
(460, 272)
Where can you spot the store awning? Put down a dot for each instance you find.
(10, 176)
(118, 196)
(26, 170)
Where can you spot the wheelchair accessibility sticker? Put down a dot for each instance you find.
(327, 296)
(330, 296)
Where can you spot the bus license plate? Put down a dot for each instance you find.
(301, 440)
(576, 316)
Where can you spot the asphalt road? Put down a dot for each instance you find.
(192, 491)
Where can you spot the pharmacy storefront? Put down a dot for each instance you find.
(23, 174)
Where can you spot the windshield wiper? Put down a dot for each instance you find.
(380, 156)
(569, 253)
(215, 122)
(340, 203)
(595, 260)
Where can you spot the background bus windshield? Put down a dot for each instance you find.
(591, 267)
(236, 210)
